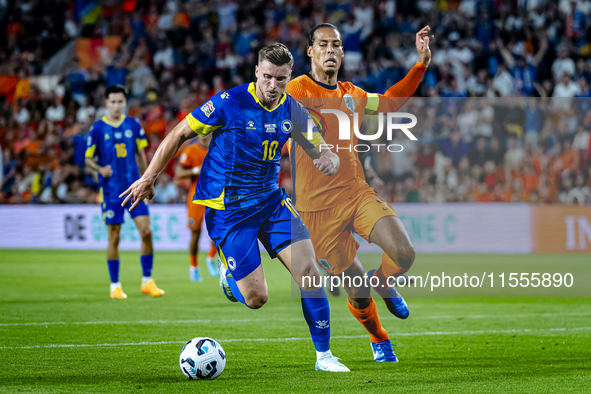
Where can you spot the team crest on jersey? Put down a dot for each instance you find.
(117, 135)
(225, 95)
(231, 263)
(286, 126)
(250, 125)
(270, 127)
(208, 108)
(128, 133)
(349, 102)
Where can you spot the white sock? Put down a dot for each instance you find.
(320, 355)
(191, 268)
(146, 279)
(115, 285)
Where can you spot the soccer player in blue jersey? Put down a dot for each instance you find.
(118, 142)
(238, 185)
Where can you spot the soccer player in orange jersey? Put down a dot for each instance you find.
(189, 167)
(333, 207)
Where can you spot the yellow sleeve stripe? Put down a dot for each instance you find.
(316, 139)
(141, 143)
(90, 151)
(200, 128)
(373, 101)
(215, 203)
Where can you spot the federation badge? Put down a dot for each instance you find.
(128, 133)
(231, 263)
(207, 108)
(286, 126)
(349, 102)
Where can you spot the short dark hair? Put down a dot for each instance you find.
(277, 54)
(116, 89)
(320, 26)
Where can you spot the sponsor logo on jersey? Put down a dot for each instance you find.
(270, 127)
(142, 132)
(225, 95)
(107, 136)
(89, 141)
(117, 135)
(208, 108)
(286, 126)
(231, 263)
(250, 125)
(128, 133)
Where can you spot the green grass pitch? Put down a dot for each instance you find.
(91, 343)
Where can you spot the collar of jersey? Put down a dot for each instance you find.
(325, 86)
(252, 91)
(107, 121)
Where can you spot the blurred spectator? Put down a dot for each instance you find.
(174, 56)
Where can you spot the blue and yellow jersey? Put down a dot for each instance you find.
(116, 145)
(242, 166)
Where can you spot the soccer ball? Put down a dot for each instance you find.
(202, 358)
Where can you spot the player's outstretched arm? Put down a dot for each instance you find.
(324, 159)
(143, 188)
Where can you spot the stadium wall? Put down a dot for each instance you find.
(433, 228)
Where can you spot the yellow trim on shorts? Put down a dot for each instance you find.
(215, 203)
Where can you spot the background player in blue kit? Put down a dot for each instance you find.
(238, 184)
(118, 142)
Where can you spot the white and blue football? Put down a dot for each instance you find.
(202, 358)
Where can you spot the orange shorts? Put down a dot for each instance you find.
(195, 214)
(331, 231)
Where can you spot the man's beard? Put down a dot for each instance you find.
(267, 101)
(330, 73)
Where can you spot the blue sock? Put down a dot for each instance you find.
(235, 291)
(147, 263)
(113, 270)
(317, 315)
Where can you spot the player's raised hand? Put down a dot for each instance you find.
(141, 189)
(422, 42)
(106, 171)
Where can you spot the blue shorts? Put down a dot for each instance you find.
(113, 211)
(235, 232)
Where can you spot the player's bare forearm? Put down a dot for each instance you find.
(140, 158)
(181, 172)
(324, 159)
(90, 163)
(143, 188)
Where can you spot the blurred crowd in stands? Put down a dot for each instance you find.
(504, 107)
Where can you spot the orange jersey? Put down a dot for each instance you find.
(193, 156)
(314, 191)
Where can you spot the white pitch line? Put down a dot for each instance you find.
(210, 321)
(403, 334)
